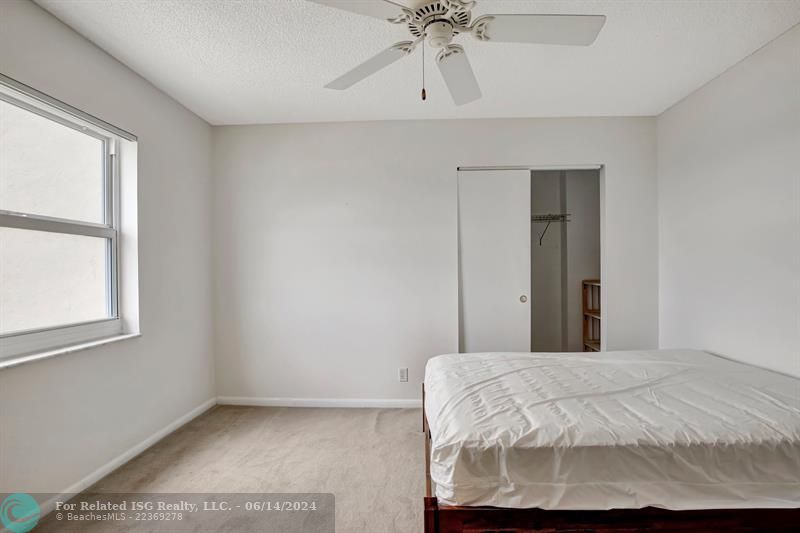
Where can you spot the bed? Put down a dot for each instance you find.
(610, 441)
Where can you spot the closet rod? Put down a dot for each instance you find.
(564, 217)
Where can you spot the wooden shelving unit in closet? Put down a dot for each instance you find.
(591, 315)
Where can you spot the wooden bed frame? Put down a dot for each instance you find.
(459, 519)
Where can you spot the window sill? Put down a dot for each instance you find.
(30, 358)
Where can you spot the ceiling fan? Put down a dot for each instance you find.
(439, 22)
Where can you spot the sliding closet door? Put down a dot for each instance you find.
(494, 222)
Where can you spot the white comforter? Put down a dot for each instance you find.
(676, 429)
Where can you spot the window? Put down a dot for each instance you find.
(59, 225)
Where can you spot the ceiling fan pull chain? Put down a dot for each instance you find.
(424, 94)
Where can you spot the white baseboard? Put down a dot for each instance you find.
(126, 456)
(320, 402)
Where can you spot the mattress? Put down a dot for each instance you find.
(675, 429)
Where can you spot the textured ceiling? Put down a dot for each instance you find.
(249, 61)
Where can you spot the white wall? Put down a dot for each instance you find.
(729, 212)
(63, 418)
(336, 259)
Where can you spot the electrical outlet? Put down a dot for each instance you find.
(402, 374)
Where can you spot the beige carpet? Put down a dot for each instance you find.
(370, 459)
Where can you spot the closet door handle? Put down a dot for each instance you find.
(523, 298)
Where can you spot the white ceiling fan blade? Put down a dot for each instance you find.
(381, 9)
(578, 30)
(458, 75)
(373, 65)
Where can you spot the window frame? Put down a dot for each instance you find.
(26, 342)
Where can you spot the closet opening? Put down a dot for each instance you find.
(528, 240)
(565, 252)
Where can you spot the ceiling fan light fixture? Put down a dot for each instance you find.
(440, 33)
